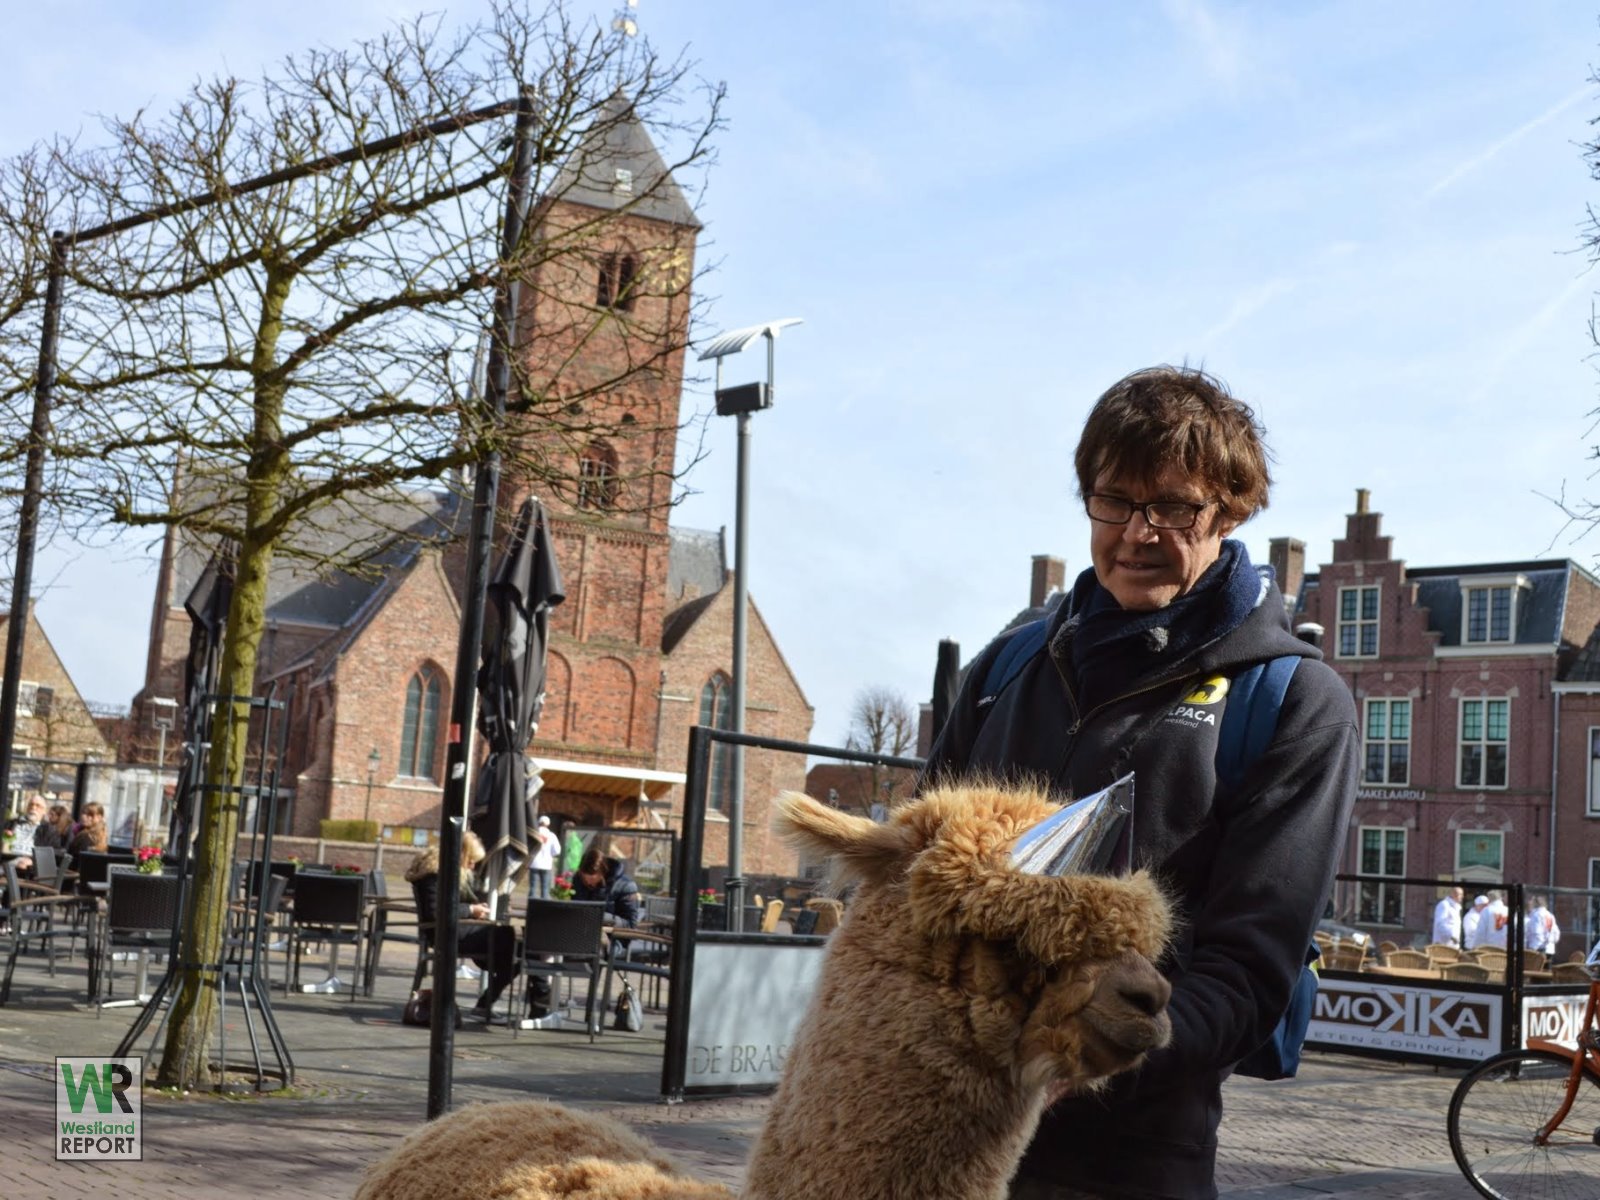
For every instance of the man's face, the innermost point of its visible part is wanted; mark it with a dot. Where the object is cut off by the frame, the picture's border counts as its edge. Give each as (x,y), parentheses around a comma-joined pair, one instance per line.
(591,878)
(1145,568)
(1456,894)
(35,811)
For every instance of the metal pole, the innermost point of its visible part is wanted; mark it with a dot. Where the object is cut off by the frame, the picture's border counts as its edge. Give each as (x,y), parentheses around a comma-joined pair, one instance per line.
(32,498)
(366,809)
(741,586)
(464,693)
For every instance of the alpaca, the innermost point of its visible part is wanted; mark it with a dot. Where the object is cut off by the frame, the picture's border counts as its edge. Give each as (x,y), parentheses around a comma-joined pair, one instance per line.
(958,999)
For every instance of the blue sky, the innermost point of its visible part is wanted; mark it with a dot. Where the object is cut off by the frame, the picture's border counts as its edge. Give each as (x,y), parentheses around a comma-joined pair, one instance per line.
(1366,218)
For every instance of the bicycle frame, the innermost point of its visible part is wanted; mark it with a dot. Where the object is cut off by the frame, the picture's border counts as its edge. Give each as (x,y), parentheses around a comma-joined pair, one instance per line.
(1585,1058)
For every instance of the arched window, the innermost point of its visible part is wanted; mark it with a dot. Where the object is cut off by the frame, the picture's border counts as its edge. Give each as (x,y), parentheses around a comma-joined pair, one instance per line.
(419,735)
(597,477)
(716,712)
(618,274)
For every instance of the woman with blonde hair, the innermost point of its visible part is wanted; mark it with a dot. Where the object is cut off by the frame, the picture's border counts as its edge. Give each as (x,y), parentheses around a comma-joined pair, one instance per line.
(491,946)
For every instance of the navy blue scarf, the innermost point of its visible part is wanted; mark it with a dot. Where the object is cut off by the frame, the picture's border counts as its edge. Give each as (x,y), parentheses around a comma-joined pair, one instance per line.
(1111,647)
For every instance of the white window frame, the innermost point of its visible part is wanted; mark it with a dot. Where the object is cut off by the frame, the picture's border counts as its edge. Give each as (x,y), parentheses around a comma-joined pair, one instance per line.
(1387,740)
(1513,586)
(1382,888)
(1359,623)
(1484,742)
(1497,834)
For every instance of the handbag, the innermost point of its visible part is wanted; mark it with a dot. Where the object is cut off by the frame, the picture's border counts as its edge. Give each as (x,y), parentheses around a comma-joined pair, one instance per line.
(418,1009)
(630,1013)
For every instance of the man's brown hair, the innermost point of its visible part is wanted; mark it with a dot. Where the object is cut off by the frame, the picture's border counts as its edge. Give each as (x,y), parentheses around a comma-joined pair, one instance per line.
(1180,417)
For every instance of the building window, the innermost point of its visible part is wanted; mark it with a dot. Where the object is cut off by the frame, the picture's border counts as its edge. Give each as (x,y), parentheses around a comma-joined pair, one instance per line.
(1594,771)
(419,735)
(1358,622)
(1383,852)
(1485,737)
(618,275)
(597,477)
(1388,742)
(1480,848)
(1488,614)
(716,712)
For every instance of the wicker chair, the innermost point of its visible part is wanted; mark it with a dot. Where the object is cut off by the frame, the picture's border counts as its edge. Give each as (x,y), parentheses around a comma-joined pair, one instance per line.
(1346,958)
(1440,953)
(1533,960)
(1466,971)
(1416,960)
(1569,972)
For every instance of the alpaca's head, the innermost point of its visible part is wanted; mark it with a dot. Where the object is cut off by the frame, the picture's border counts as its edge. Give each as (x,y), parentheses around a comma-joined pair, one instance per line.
(1049,976)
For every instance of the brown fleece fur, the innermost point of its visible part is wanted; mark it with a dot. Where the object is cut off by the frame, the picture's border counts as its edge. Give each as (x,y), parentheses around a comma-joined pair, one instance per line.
(957,999)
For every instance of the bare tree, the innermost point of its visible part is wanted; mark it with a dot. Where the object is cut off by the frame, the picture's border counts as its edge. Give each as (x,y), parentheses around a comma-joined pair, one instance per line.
(297,348)
(881,722)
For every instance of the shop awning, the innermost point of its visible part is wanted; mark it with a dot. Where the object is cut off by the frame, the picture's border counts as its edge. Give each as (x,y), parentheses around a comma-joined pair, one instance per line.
(606,779)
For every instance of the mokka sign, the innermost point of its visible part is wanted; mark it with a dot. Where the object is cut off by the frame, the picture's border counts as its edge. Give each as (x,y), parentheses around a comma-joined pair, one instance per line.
(99,1108)
(1432,1021)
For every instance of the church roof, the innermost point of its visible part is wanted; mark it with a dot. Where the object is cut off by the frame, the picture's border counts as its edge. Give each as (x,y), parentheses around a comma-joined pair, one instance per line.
(617,166)
(384,531)
(697,567)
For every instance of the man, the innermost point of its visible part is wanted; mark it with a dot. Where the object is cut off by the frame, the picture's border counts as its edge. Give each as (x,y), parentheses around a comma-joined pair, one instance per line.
(1542,933)
(543,867)
(1494,928)
(1134,676)
(1472,923)
(23,832)
(1447,919)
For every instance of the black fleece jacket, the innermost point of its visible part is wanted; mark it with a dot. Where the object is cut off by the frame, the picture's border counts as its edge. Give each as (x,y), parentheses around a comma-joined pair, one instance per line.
(1248,871)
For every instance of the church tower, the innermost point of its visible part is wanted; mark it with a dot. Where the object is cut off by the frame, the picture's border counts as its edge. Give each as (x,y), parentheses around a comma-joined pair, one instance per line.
(605,325)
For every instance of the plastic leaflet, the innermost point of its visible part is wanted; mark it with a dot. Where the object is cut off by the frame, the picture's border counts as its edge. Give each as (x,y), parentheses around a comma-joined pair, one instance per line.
(1090,836)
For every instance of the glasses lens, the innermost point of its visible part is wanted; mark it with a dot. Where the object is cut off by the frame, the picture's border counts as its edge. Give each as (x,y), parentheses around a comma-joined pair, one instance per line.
(1111,509)
(1171,514)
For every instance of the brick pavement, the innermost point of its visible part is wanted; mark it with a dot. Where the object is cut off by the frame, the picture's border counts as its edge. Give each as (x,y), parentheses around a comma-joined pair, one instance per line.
(1347,1127)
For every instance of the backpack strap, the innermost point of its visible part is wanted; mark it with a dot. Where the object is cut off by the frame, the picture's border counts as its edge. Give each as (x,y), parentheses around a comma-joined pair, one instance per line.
(1022,644)
(1250,718)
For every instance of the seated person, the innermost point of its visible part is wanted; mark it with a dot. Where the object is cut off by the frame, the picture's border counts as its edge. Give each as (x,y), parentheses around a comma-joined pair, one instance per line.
(492,947)
(92,833)
(607,880)
(23,832)
(59,818)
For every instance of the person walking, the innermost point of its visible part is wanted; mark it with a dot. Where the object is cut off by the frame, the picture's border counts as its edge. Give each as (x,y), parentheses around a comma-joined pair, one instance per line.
(543,867)
(1447,919)
(1542,932)
(1133,676)
(1494,928)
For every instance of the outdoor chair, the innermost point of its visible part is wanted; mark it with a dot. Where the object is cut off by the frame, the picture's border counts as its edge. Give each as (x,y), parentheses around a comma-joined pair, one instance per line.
(1386,948)
(382,928)
(1569,972)
(1577,956)
(94,867)
(1410,959)
(33,921)
(771,917)
(327,908)
(1439,953)
(1533,960)
(1346,958)
(140,913)
(829,913)
(1466,971)
(805,922)
(563,939)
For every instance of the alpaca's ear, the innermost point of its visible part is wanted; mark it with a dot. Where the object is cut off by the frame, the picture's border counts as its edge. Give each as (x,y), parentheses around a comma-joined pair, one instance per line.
(859,848)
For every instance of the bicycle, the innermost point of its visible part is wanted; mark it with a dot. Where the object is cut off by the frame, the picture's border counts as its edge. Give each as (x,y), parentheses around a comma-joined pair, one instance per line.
(1526,1123)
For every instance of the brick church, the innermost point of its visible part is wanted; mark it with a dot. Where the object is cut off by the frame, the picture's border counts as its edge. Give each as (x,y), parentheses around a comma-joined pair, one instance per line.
(640,650)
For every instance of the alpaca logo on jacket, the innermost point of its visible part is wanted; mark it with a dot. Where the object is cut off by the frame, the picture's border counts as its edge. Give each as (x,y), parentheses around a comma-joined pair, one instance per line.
(1208,692)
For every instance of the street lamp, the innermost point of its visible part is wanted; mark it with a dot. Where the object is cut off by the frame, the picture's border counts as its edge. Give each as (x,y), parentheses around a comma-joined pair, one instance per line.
(163,715)
(741,401)
(373,760)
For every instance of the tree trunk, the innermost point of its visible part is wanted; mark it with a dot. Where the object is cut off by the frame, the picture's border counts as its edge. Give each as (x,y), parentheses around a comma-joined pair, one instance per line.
(186,1060)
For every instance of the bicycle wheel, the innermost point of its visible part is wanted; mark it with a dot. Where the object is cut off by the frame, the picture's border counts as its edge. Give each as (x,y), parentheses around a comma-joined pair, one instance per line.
(1498,1107)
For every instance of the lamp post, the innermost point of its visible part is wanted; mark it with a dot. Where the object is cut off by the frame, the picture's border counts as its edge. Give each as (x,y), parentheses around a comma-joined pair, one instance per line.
(163,715)
(373,760)
(741,401)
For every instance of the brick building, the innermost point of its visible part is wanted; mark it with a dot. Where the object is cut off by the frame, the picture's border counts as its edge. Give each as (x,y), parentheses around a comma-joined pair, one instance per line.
(53,722)
(1467,679)
(642,639)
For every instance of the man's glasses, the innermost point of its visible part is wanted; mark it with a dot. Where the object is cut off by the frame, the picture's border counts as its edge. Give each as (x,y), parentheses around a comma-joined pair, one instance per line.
(1158,514)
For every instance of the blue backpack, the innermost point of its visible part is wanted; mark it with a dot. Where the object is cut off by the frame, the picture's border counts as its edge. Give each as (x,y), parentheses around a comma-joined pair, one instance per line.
(1249,721)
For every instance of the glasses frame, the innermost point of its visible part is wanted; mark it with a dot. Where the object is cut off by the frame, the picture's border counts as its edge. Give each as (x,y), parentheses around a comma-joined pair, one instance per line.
(1195,509)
